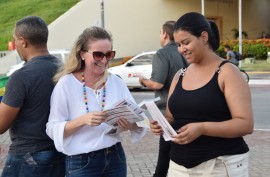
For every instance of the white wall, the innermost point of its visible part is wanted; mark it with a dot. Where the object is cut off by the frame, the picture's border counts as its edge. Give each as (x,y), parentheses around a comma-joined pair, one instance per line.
(135,25)
(256,17)
(65,30)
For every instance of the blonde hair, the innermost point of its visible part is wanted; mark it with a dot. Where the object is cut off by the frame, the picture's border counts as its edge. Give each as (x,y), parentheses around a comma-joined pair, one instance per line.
(74,62)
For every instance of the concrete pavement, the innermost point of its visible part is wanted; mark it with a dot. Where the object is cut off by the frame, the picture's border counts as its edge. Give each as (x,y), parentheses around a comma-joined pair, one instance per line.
(142,157)
(259,78)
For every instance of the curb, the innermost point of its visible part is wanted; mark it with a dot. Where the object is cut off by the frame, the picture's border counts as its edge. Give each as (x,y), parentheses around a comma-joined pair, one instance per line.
(259,82)
(258,72)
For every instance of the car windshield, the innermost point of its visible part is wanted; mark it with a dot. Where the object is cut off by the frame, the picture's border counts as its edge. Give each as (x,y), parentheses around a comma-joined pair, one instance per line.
(143,60)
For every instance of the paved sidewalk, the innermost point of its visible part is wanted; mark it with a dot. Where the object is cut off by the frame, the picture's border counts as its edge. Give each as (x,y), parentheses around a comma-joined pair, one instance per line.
(259,78)
(142,157)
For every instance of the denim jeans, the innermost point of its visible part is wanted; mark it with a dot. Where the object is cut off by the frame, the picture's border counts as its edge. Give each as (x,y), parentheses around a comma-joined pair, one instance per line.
(38,164)
(108,162)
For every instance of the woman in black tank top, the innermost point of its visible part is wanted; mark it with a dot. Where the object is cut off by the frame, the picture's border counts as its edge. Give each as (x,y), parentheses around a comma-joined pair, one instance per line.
(209,105)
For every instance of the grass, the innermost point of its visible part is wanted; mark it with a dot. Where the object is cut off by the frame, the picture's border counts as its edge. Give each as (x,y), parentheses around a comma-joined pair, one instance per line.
(258,66)
(12,11)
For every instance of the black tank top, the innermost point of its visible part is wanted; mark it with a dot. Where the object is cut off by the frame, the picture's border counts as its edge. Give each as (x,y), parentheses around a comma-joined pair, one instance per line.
(205,104)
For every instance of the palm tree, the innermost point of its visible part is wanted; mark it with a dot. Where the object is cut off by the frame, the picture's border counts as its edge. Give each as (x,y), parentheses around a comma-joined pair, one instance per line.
(236,33)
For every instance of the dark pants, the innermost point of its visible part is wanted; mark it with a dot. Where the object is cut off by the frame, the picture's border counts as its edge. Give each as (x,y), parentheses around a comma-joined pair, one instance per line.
(108,162)
(163,158)
(38,164)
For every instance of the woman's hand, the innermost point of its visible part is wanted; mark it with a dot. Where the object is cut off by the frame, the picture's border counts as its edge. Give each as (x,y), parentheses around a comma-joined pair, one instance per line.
(125,125)
(91,119)
(155,128)
(188,133)
(94,118)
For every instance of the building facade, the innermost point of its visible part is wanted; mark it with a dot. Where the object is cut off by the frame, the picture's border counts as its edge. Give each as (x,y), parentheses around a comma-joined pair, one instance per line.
(135,25)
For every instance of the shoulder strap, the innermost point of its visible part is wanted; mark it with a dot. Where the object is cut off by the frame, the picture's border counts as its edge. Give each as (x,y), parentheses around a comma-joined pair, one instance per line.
(182,71)
(221,64)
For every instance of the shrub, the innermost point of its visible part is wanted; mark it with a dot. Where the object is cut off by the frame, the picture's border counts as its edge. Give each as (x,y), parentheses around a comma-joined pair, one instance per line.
(220,52)
(260,51)
(250,48)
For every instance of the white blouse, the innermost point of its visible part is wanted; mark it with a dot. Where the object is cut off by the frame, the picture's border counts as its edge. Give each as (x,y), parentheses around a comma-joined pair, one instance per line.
(67,103)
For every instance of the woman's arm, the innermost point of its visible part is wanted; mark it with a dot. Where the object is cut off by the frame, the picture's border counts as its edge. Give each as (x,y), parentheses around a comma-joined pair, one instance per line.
(168,113)
(238,97)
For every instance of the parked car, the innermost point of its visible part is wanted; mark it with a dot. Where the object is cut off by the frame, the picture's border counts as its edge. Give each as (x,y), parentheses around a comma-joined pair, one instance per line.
(60,54)
(131,70)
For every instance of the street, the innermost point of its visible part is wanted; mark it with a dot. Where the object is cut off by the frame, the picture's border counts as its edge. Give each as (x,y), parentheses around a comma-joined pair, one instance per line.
(260,103)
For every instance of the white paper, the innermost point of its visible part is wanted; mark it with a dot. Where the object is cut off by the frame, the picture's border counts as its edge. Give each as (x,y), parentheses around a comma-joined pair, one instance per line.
(142,104)
(168,131)
(136,108)
(121,112)
(124,109)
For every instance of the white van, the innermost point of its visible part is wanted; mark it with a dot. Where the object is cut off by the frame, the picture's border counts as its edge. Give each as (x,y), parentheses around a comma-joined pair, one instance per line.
(60,54)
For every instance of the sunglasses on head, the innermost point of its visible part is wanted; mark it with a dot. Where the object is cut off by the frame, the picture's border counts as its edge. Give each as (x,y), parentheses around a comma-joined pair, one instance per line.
(98,55)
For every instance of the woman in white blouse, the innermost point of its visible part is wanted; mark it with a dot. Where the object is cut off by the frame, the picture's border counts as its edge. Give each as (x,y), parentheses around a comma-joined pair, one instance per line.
(76,123)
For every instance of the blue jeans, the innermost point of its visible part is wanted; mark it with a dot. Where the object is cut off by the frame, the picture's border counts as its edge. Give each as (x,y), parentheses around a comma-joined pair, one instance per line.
(38,164)
(108,162)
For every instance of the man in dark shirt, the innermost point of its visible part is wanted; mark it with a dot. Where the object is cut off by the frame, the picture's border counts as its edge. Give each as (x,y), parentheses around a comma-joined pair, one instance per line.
(165,64)
(24,109)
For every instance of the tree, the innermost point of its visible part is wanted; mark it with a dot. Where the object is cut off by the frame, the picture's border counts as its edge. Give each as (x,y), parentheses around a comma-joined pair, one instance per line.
(236,33)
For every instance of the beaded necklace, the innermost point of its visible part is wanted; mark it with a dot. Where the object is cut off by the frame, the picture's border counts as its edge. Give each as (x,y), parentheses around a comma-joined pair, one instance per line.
(85,95)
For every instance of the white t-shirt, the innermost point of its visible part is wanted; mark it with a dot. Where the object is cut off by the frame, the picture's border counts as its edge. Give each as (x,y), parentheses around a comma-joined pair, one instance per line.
(67,103)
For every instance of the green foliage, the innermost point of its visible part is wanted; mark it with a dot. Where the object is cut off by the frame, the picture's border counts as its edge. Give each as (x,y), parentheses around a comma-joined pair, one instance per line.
(258,66)
(250,48)
(220,52)
(12,11)
(260,51)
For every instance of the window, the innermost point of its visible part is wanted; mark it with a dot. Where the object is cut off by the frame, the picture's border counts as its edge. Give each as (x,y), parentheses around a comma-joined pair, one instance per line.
(143,60)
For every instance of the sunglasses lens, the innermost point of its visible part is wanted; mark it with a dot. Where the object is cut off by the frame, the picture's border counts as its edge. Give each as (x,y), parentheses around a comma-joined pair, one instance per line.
(98,55)
(110,55)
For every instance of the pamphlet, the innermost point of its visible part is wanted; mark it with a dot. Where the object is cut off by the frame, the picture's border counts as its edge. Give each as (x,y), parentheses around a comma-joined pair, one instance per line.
(158,116)
(124,109)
